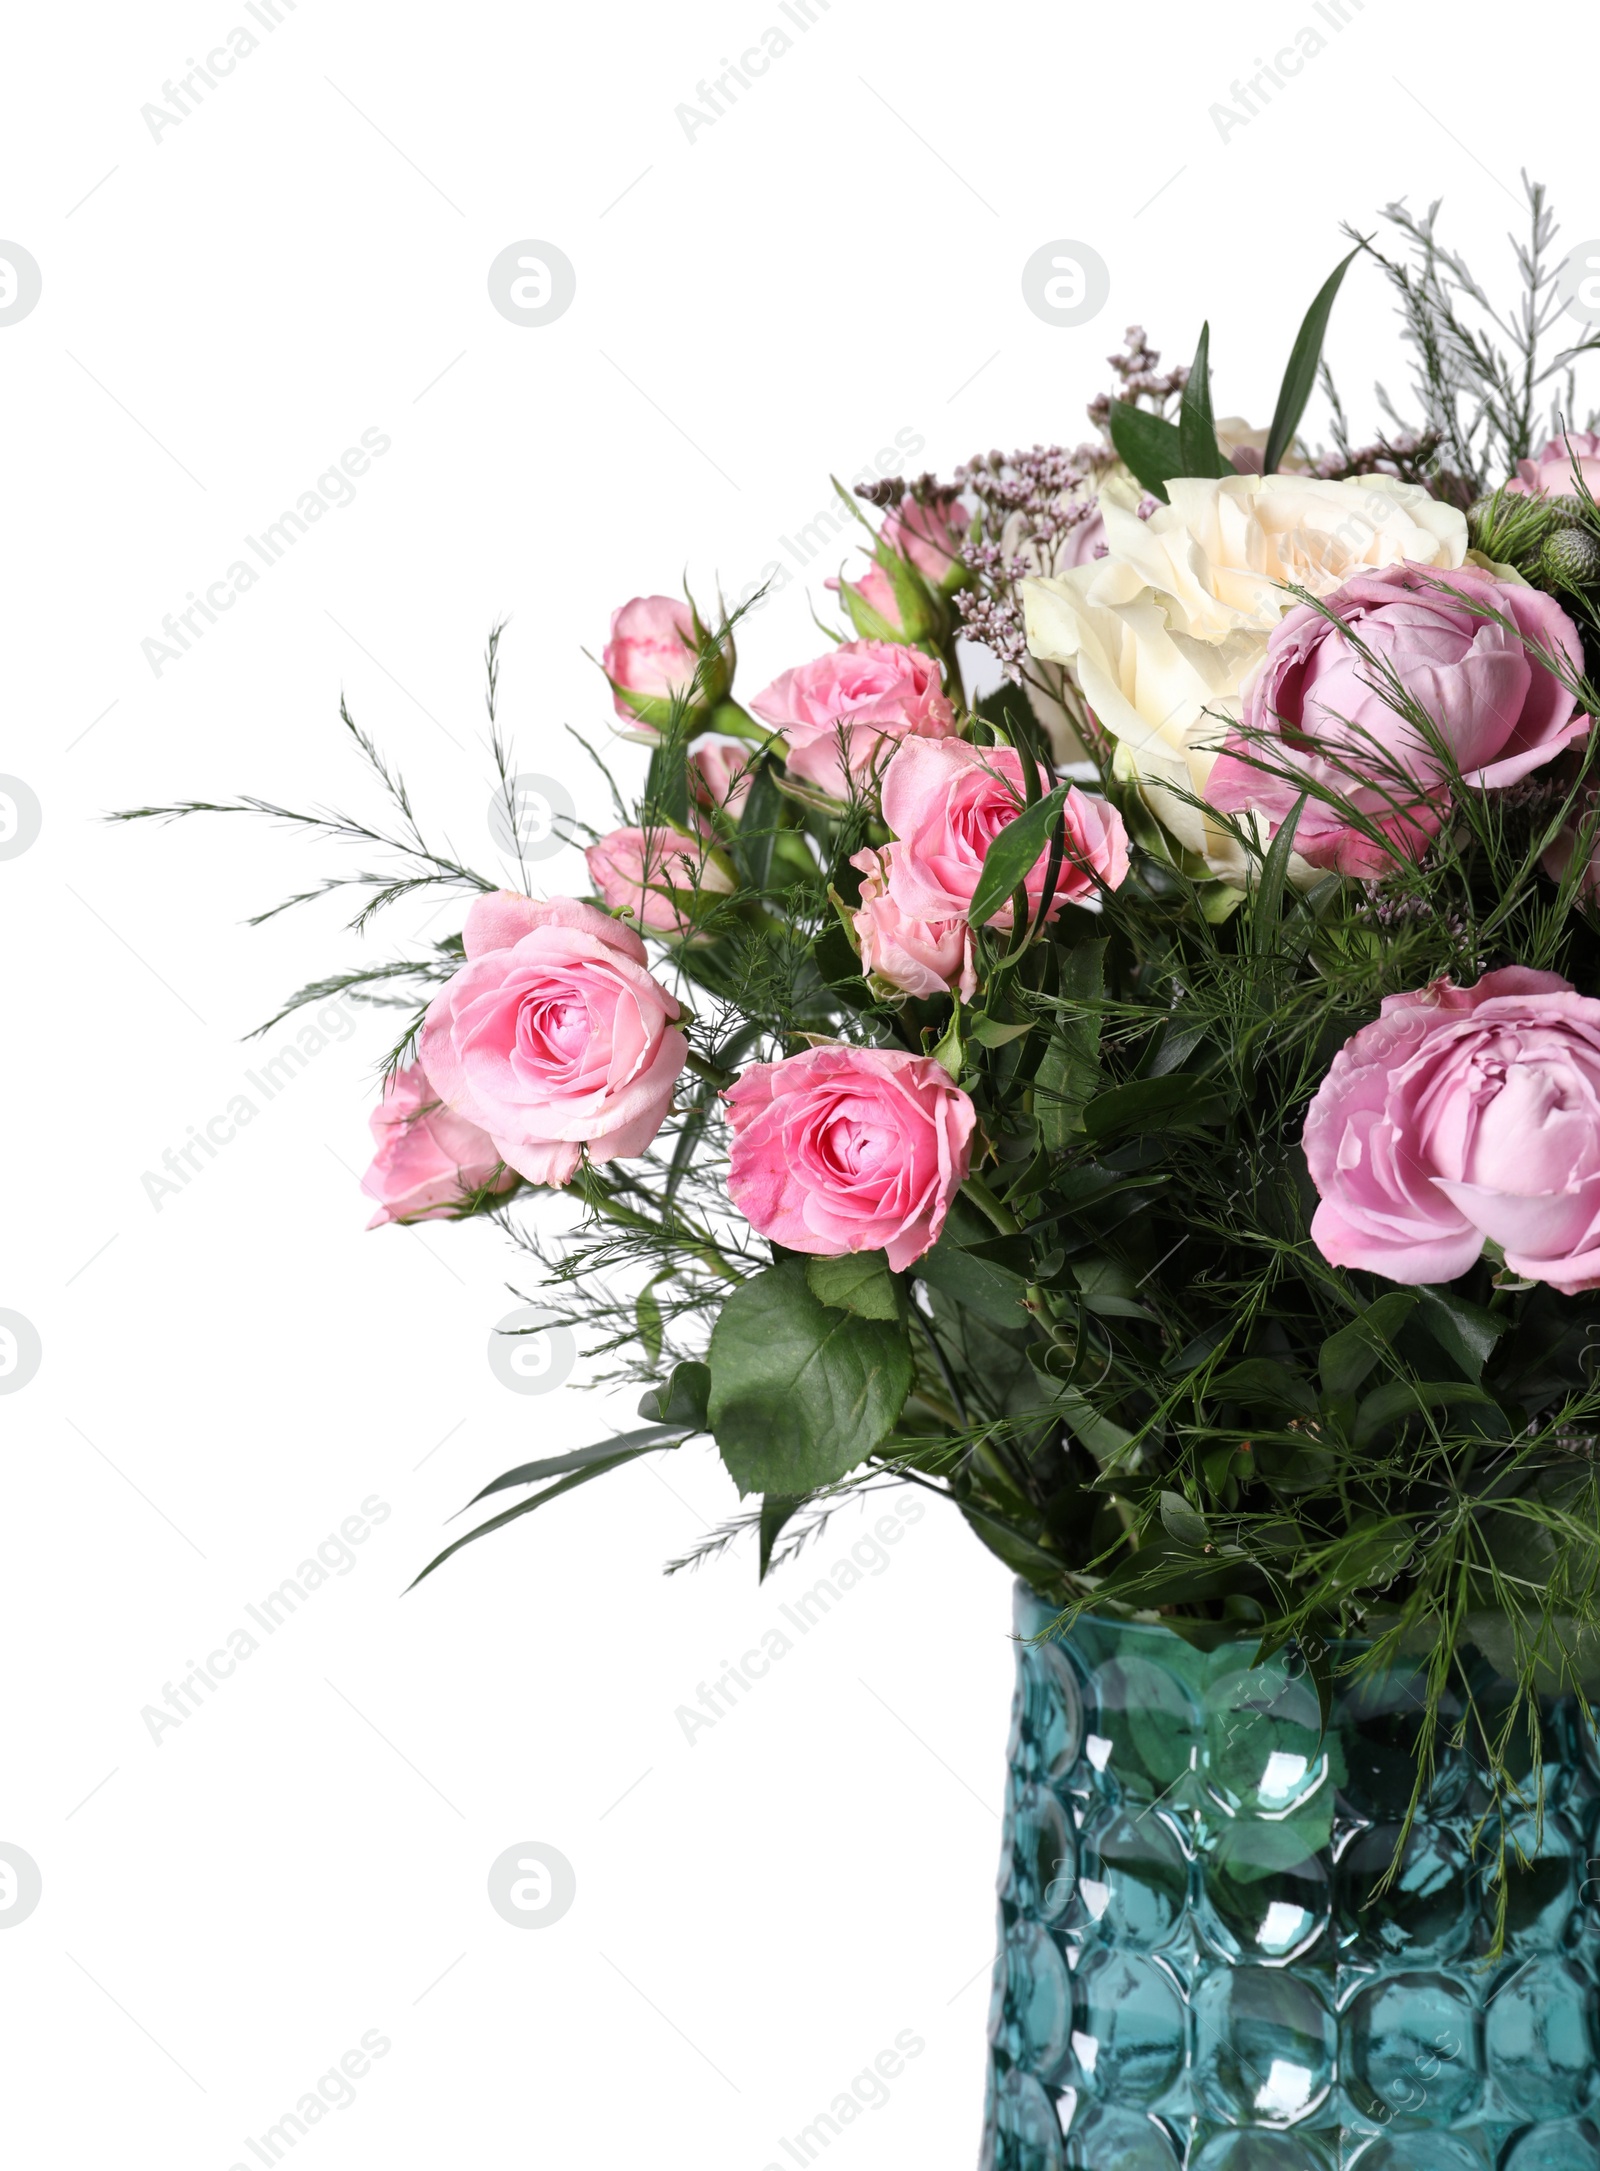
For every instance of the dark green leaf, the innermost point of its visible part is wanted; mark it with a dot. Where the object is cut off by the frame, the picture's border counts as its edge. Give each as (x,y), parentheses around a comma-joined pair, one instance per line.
(1181,1522)
(1106,1440)
(776,1510)
(682,1399)
(1463,1331)
(1019,1553)
(1348,1356)
(1299,379)
(1266,906)
(526,1507)
(639,1442)
(1012,854)
(647,1318)
(1152,1104)
(758,826)
(1146,445)
(1398,1399)
(1108,1288)
(1197,432)
(1260,1379)
(991,1290)
(1069,1070)
(800,1393)
(999,1032)
(860,1282)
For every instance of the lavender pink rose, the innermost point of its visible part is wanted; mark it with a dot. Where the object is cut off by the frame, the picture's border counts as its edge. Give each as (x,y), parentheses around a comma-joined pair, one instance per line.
(553,1038)
(1549,472)
(1316,710)
(849,1149)
(1462,1115)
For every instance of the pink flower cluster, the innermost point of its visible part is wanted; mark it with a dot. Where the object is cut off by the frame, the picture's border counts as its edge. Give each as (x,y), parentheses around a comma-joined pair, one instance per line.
(554,1041)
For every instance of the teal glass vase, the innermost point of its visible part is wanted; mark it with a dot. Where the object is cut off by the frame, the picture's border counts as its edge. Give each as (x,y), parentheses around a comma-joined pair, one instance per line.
(1205,1961)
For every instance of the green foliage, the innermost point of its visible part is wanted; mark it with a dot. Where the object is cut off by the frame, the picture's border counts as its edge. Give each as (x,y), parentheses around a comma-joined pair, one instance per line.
(1124,1362)
(801,1392)
(1299,379)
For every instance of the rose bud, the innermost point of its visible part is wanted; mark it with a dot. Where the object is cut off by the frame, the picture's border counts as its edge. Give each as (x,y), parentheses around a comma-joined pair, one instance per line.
(430,1162)
(657,880)
(660,655)
(919,957)
(720,774)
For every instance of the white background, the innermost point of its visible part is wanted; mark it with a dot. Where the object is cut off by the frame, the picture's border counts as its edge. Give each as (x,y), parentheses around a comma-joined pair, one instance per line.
(224,311)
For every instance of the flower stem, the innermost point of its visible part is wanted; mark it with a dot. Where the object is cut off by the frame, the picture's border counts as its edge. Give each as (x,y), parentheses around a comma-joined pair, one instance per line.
(988,1205)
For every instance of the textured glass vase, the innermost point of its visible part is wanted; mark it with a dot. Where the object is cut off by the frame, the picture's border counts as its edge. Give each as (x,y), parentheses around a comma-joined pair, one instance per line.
(1196,1966)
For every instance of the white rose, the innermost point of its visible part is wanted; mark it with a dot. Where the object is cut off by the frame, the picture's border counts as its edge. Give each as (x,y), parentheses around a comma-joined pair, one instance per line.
(1163,631)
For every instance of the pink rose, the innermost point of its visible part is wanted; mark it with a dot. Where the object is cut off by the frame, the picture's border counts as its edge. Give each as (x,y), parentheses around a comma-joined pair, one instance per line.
(553,1037)
(849,1149)
(720,774)
(874,588)
(651,658)
(1315,708)
(921,957)
(656,879)
(930,536)
(429,1160)
(1557,857)
(1549,472)
(878,693)
(1462,1114)
(947,801)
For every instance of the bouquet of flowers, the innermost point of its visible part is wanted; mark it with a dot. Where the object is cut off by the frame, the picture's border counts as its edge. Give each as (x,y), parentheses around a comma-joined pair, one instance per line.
(1153,1103)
